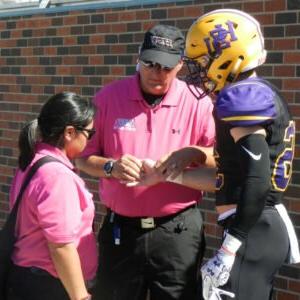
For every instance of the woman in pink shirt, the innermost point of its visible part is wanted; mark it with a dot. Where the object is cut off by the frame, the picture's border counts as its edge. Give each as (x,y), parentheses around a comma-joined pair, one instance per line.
(55,255)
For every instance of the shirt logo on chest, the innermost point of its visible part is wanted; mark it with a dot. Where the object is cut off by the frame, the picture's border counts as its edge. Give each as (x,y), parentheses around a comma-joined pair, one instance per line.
(176,131)
(125,124)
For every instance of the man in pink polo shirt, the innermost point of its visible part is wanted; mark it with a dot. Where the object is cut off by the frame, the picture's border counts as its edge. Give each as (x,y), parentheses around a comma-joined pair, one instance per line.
(152,236)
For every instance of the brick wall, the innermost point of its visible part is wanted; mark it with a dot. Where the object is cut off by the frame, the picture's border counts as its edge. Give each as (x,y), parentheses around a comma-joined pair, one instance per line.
(82,50)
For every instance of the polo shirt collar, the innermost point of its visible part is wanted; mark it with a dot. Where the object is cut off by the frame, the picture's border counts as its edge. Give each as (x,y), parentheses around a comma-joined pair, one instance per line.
(170,99)
(46,149)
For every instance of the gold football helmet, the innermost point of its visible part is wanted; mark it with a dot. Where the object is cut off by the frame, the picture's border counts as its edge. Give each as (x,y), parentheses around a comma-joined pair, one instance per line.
(222,44)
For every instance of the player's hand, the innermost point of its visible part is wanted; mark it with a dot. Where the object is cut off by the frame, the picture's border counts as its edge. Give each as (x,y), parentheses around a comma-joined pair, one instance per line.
(171,165)
(216,271)
(217,294)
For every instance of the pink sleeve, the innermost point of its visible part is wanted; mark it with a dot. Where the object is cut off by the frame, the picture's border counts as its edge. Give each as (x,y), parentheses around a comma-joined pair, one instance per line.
(58,208)
(94,146)
(207,125)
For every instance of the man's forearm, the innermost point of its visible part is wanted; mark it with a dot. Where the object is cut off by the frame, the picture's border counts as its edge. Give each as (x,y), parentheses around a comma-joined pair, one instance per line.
(92,165)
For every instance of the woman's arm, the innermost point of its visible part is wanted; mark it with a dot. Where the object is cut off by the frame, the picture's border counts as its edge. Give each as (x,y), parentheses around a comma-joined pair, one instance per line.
(67,264)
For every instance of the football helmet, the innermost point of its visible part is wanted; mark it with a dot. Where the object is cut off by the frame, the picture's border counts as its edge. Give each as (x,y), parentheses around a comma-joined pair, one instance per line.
(220,45)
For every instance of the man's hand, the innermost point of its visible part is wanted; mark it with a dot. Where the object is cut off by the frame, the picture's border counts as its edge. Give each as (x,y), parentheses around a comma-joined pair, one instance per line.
(127,168)
(149,175)
(216,271)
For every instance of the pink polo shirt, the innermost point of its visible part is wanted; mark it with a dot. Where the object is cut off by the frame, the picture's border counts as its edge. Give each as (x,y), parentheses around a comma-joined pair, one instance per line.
(56,207)
(126,124)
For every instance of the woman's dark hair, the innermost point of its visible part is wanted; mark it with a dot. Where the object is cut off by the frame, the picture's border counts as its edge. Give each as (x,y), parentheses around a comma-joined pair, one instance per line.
(60,110)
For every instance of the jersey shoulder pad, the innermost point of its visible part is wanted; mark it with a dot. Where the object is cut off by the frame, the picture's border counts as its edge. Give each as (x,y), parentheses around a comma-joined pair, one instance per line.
(246,103)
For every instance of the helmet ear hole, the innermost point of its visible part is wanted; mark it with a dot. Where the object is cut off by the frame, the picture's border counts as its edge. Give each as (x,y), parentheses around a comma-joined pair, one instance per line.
(219,76)
(225,65)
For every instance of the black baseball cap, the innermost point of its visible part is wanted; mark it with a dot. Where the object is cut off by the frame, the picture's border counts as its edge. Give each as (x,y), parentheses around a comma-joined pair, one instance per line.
(163,44)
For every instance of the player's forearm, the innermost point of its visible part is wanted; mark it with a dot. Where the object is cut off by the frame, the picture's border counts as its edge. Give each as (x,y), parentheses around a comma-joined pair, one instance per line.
(201,178)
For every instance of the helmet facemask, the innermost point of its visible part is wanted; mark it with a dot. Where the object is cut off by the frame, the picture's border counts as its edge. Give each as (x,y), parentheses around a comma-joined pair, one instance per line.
(198,77)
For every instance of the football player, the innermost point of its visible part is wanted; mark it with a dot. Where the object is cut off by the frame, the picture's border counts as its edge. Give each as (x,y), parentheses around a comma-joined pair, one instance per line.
(254,152)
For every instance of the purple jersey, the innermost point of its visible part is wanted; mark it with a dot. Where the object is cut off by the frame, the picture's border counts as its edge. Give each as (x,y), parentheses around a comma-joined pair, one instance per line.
(246,103)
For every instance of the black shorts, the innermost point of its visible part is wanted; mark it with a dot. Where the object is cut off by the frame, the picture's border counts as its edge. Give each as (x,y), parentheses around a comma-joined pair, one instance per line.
(259,258)
(162,261)
(34,284)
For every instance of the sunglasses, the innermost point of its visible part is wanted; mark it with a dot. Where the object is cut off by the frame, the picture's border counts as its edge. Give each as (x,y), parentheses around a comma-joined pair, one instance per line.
(151,65)
(90,132)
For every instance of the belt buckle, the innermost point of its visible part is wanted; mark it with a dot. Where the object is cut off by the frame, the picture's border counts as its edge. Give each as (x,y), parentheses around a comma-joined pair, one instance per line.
(147,223)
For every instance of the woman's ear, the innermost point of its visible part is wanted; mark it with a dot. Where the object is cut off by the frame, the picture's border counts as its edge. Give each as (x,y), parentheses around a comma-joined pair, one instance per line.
(69,133)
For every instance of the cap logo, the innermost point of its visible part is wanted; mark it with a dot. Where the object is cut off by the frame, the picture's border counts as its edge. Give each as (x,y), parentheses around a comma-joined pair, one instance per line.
(160,41)
(219,38)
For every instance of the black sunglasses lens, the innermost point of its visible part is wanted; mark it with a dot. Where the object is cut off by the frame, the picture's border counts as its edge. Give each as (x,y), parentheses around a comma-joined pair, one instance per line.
(150,65)
(90,132)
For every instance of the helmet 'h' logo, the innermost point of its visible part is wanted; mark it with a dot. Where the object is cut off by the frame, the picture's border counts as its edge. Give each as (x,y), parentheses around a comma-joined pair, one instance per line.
(219,36)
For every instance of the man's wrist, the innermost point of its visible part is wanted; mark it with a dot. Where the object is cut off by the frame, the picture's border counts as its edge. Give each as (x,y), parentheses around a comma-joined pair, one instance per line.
(108,168)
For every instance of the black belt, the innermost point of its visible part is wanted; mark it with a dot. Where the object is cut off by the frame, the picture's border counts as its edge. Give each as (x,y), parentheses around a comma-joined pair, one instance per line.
(144,222)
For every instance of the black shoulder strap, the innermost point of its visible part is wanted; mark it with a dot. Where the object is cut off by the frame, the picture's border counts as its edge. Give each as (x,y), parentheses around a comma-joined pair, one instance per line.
(13,214)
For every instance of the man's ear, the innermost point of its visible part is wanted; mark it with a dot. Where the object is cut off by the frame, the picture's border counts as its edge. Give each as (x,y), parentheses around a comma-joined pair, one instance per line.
(179,66)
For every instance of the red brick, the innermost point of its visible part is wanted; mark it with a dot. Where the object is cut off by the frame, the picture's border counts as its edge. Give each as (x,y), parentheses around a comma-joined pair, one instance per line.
(118,27)
(295,206)
(264,19)
(70,20)
(50,51)
(103,28)
(193,12)
(83,81)
(175,12)
(292,57)
(96,60)
(63,31)
(251,7)
(87,49)
(142,15)
(291,84)
(285,44)
(275,5)
(7,43)
(16,34)
(97,39)
(286,296)
(117,49)
(284,71)
(70,40)
(294,286)
(113,17)
(117,71)
(69,60)
(128,16)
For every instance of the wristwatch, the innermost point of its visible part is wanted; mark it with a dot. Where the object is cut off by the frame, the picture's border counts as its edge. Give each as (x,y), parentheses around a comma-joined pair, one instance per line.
(108,167)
